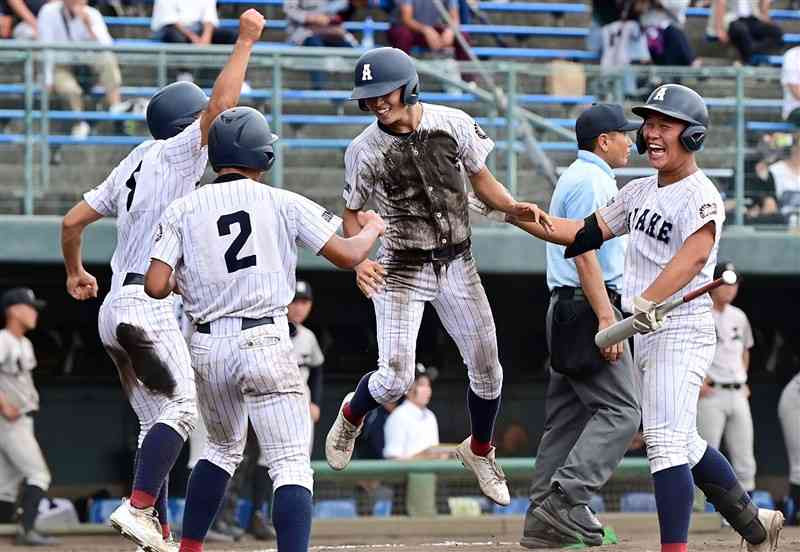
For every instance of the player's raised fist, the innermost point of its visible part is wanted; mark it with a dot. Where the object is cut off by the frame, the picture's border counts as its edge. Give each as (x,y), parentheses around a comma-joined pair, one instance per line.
(367,218)
(251,24)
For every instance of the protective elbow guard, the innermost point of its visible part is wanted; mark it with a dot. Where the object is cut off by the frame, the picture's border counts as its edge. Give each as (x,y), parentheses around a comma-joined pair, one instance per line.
(588,238)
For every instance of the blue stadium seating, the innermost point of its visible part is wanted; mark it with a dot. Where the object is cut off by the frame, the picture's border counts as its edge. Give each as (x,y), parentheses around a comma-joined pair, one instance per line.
(343,508)
(175,508)
(638,502)
(763,499)
(518,506)
(382,508)
(597,504)
(101,509)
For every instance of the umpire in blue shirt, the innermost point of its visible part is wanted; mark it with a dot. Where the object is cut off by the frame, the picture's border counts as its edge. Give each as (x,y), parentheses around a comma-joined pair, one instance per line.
(592,410)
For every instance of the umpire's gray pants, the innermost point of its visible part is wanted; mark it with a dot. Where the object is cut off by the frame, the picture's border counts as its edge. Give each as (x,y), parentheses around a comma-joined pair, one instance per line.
(589,424)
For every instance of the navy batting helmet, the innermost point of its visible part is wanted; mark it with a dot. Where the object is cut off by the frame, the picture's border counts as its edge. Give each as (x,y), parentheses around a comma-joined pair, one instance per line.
(681,103)
(384,70)
(240,137)
(173,108)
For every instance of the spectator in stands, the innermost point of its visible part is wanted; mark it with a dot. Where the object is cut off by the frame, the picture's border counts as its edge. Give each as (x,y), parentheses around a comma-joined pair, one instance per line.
(75,21)
(25,12)
(746,25)
(195,21)
(411,430)
(6,21)
(604,12)
(785,175)
(663,22)
(419,23)
(318,23)
(790,79)
(21,459)
(514,441)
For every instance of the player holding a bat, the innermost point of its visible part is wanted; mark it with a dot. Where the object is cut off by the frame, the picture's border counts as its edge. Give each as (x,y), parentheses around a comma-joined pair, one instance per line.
(674,221)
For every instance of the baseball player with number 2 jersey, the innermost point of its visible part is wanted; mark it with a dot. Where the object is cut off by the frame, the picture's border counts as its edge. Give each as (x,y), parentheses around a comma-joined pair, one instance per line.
(674,221)
(416,161)
(142,335)
(231,246)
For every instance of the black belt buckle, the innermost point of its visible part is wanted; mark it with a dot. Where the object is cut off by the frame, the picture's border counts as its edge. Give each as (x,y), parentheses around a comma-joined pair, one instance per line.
(133,279)
(736,386)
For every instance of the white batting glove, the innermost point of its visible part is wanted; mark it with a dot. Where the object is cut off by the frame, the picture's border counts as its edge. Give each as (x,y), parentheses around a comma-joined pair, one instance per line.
(646,318)
(478,206)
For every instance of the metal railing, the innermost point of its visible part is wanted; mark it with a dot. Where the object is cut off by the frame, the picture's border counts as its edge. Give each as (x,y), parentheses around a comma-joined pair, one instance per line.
(524,84)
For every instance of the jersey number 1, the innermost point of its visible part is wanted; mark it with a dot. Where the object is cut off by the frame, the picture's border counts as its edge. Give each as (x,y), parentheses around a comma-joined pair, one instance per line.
(224,224)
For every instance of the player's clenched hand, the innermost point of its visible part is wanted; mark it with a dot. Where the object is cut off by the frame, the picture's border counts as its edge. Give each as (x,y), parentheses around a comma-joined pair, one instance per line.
(369,277)
(612,353)
(530,212)
(82,286)
(478,206)
(314,411)
(646,318)
(251,24)
(9,411)
(706,390)
(371,218)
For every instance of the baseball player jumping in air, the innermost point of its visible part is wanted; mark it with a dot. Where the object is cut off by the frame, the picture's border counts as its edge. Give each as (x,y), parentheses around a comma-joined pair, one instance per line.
(232,246)
(674,221)
(416,161)
(142,335)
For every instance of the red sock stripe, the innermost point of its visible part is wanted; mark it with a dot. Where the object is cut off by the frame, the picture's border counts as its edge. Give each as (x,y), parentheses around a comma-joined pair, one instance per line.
(348,414)
(674,547)
(140,499)
(189,545)
(165,531)
(479,448)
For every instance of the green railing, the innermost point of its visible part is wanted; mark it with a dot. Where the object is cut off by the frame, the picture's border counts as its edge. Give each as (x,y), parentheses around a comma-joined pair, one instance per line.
(520,80)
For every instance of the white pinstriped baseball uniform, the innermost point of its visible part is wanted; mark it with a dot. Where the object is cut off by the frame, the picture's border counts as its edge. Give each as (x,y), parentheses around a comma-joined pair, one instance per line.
(419,184)
(726,412)
(137,192)
(233,245)
(672,361)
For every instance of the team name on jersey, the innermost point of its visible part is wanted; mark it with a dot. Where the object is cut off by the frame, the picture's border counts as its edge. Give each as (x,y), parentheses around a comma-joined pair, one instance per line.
(651,223)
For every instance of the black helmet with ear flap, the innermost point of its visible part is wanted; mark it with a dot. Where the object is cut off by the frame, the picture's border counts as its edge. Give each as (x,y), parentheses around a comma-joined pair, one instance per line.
(383,70)
(681,103)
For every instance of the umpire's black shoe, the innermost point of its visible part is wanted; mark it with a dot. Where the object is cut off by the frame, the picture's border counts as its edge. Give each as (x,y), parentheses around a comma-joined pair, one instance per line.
(577,521)
(540,535)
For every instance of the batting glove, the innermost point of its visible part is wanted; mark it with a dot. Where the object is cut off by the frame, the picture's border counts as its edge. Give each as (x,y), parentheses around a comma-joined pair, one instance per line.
(646,317)
(478,206)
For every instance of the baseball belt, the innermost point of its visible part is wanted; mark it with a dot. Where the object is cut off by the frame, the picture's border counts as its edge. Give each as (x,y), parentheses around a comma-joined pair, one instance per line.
(567,293)
(247,323)
(441,254)
(133,279)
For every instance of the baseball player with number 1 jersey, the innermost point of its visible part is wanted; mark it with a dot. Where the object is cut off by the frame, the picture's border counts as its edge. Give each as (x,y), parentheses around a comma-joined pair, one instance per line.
(674,221)
(231,246)
(142,335)
(416,161)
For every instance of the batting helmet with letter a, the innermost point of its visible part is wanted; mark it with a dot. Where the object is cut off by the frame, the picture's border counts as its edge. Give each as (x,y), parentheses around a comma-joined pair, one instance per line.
(383,70)
(240,137)
(681,103)
(173,108)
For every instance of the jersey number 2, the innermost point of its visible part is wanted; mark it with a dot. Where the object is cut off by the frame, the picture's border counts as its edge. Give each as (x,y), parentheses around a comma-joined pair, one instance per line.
(131,185)
(224,224)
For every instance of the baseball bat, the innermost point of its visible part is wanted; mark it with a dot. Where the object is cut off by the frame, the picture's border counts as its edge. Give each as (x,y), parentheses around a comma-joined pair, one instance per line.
(624,329)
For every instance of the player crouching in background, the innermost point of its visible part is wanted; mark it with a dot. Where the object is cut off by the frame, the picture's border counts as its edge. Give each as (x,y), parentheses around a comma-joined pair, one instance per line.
(674,221)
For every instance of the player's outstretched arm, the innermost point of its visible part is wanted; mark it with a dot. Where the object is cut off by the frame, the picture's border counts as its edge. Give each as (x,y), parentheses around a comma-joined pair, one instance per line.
(369,274)
(349,252)
(80,284)
(228,85)
(684,266)
(495,195)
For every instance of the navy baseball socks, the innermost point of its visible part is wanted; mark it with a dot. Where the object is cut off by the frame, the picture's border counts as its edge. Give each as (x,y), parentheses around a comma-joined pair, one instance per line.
(161,500)
(482,414)
(291,517)
(674,490)
(157,455)
(204,496)
(361,402)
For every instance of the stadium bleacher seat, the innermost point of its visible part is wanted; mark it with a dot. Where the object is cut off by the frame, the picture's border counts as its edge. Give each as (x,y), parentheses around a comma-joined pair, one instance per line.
(518,506)
(175,508)
(101,509)
(637,502)
(382,508)
(342,508)
(597,504)
(763,499)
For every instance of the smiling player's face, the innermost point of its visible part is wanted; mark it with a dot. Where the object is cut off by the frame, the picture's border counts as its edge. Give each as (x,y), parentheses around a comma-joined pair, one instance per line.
(662,137)
(389,109)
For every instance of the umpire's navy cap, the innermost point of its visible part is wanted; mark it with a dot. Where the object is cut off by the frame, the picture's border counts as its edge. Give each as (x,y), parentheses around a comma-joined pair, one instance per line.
(602,118)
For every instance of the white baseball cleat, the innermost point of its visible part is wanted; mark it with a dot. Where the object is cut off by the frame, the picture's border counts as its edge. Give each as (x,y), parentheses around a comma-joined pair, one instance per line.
(140,526)
(172,545)
(341,439)
(773,523)
(491,478)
